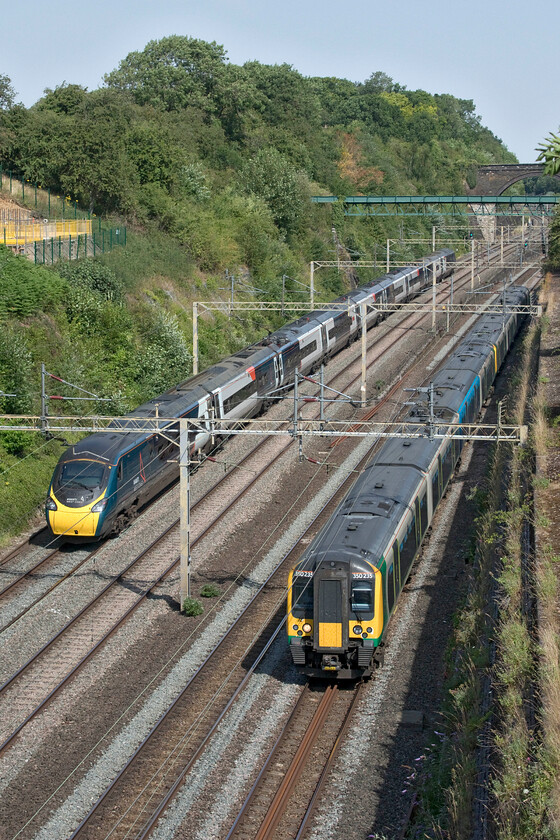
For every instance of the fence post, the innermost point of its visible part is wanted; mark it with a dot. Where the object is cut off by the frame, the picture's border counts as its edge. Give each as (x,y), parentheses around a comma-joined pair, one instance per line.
(69,246)
(35,251)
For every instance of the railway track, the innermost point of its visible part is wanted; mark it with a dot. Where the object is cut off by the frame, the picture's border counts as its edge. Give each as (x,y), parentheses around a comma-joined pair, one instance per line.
(306,747)
(176,741)
(32,573)
(137,581)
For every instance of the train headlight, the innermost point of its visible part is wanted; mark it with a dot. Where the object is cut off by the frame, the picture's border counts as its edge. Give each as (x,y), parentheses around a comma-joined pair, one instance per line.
(306,628)
(99,506)
(369,630)
(357,630)
(295,627)
(50,504)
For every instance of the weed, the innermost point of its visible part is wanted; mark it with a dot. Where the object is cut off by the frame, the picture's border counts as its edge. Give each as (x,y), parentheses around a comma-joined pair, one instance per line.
(210,590)
(192,607)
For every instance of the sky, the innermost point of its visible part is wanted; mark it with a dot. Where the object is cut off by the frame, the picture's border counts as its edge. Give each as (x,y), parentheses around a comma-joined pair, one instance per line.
(502,54)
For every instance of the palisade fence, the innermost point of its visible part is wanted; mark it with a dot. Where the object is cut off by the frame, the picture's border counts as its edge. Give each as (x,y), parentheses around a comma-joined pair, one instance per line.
(46,203)
(46,242)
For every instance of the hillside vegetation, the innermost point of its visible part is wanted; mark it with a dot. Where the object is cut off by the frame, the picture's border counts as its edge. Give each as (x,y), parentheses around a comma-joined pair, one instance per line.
(211,165)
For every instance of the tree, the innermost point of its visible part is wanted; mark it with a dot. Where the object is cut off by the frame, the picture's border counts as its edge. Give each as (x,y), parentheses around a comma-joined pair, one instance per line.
(271,176)
(7,93)
(64,99)
(550,154)
(378,82)
(171,74)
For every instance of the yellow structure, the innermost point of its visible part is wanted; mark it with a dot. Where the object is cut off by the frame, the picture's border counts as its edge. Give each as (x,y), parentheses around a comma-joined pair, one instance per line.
(16,234)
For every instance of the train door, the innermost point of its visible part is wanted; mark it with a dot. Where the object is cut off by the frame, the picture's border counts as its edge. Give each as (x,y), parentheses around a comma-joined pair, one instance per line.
(392,582)
(436,485)
(279,370)
(422,512)
(201,438)
(396,561)
(331,610)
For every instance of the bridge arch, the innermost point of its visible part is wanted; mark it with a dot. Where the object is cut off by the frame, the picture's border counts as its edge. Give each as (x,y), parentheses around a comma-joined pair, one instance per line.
(497,178)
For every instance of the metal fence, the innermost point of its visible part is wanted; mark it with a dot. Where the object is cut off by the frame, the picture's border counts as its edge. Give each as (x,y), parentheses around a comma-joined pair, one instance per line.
(46,203)
(50,251)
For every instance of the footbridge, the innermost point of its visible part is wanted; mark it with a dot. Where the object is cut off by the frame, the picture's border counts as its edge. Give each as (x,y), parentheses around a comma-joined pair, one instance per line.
(475,205)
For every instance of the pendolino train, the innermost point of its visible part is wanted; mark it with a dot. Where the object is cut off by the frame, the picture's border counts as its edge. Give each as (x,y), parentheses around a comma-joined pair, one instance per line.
(100,483)
(341,594)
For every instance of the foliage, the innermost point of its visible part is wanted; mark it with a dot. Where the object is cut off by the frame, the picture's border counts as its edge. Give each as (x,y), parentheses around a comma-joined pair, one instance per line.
(270,176)
(210,590)
(554,243)
(25,289)
(164,357)
(192,607)
(7,92)
(93,275)
(550,154)
(15,371)
(173,73)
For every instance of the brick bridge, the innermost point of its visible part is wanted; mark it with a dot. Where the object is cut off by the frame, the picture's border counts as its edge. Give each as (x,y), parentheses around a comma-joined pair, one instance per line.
(495,179)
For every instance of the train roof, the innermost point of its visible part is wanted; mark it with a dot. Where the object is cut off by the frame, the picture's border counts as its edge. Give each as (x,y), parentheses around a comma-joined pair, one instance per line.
(364,521)
(177,401)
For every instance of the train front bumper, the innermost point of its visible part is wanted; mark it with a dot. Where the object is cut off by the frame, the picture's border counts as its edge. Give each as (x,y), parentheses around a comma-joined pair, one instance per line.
(72,522)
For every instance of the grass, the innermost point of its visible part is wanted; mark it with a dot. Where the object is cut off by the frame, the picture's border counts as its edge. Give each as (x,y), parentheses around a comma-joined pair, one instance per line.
(23,486)
(525,776)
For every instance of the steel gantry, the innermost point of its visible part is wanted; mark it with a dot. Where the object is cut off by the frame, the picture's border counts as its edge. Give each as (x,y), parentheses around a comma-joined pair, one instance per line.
(181,431)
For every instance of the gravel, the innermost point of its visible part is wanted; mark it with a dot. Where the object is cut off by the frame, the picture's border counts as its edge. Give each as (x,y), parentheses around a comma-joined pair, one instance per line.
(69,814)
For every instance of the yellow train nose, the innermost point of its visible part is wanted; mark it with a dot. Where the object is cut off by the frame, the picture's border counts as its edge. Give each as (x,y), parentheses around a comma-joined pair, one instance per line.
(73,522)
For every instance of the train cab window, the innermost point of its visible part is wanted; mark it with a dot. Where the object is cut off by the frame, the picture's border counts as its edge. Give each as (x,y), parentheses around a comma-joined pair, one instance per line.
(119,471)
(302,597)
(361,599)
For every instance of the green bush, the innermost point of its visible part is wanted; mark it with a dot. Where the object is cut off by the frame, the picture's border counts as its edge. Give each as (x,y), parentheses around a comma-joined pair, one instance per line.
(192,607)
(210,590)
(93,275)
(26,288)
(14,442)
